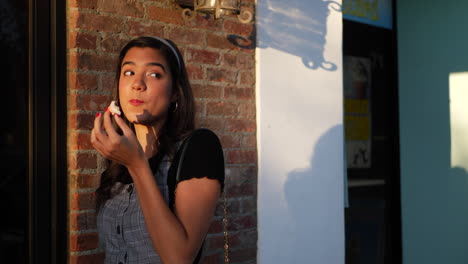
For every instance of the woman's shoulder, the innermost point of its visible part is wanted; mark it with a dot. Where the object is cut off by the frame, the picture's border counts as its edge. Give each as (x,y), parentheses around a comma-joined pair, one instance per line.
(203,141)
(203,134)
(203,155)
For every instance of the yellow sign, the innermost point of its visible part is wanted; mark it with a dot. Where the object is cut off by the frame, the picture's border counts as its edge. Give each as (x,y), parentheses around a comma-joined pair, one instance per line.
(377,13)
(356,106)
(362,8)
(357,127)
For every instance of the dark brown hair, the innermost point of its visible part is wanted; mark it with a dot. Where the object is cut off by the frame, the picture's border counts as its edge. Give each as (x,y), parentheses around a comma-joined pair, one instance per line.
(179,123)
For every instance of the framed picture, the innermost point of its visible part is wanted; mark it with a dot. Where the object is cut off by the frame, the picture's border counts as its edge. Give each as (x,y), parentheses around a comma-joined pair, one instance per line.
(357,112)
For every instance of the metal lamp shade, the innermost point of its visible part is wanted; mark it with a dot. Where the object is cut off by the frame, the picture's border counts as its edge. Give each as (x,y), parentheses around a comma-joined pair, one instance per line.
(217,7)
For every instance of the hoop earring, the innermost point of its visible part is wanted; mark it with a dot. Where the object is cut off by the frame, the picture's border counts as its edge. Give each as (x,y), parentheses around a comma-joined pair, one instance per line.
(176,107)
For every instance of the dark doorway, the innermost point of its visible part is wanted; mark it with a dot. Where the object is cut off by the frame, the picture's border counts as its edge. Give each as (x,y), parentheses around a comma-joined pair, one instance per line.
(373,224)
(14,131)
(33,132)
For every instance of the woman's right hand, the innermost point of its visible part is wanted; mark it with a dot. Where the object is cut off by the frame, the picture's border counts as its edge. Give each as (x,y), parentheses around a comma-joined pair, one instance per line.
(124,149)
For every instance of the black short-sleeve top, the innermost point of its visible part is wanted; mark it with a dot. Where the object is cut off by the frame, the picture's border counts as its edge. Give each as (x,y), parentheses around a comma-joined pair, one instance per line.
(121,225)
(203,157)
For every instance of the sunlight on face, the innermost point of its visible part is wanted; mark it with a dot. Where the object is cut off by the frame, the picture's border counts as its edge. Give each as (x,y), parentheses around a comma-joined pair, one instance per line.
(145,86)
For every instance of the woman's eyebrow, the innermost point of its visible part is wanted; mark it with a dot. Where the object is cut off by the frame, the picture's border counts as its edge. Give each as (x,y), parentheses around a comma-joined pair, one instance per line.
(148,64)
(128,62)
(156,64)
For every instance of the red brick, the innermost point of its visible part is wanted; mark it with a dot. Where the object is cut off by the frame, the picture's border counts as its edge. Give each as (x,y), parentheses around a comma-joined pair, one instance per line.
(229,59)
(94,62)
(123,7)
(207,91)
(241,181)
(221,75)
(91,102)
(248,238)
(92,4)
(236,27)
(247,110)
(82,121)
(200,106)
(72,18)
(233,207)
(203,21)
(194,72)
(249,205)
(112,44)
(229,141)
(247,78)
(82,201)
(221,108)
(241,125)
(83,161)
(241,156)
(243,254)
(217,241)
(108,82)
(219,42)
(241,222)
(203,56)
(82,221)
(83,180)
(249,141)
(186,35)
(82,40)
(81,242)
(215,124)
(97,258)
(72,61)
(239,93)
(145,28)
(80,141)
(98,22)
(82,81)
(245,188)
(167,15)
(245,61)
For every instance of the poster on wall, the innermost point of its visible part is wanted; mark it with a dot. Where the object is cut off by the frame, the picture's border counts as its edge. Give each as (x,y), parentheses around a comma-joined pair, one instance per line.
(357,114)
(378,13)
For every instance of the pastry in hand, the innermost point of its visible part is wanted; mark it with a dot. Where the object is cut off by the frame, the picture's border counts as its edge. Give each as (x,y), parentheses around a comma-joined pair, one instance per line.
(114,109)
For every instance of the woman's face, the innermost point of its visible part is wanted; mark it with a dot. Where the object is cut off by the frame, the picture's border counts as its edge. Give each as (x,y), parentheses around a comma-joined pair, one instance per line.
(145,86)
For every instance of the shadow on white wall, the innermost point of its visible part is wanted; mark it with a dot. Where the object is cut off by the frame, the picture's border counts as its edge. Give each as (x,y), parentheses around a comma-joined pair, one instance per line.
(306,202)
(296,27)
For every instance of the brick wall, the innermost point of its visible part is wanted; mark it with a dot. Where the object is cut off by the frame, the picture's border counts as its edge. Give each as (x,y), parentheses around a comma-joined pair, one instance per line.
(223,79)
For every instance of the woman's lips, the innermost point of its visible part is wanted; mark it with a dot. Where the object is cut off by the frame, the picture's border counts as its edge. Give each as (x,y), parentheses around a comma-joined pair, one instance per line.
(135,102)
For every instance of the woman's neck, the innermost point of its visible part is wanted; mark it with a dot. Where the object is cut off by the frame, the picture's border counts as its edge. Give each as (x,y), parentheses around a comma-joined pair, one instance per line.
(148,136)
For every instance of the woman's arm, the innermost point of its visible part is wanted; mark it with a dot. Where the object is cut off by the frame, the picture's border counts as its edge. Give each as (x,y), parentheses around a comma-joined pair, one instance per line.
(176,237)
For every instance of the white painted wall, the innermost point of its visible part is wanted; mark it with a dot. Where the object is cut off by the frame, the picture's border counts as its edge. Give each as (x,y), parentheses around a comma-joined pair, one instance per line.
(300,132)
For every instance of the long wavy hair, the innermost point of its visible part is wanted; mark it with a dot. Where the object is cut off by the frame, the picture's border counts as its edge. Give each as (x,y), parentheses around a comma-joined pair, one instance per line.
(179,123)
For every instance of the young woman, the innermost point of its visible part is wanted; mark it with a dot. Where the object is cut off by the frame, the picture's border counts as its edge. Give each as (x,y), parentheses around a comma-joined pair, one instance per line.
(144,215)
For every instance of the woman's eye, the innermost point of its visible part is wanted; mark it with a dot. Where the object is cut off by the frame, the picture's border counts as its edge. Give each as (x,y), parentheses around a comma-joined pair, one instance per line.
(128,73)
(155,75)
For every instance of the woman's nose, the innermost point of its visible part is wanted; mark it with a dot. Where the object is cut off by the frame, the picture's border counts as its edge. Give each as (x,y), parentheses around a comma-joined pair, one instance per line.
(138,84)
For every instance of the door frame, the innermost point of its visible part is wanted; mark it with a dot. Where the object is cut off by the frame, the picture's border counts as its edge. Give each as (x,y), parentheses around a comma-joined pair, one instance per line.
(47,170)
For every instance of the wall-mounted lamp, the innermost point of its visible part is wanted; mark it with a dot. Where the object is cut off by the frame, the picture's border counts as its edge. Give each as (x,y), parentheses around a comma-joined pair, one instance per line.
(214,7)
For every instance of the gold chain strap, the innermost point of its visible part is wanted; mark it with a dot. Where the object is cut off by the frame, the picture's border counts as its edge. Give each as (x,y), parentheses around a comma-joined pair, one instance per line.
(225,231)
